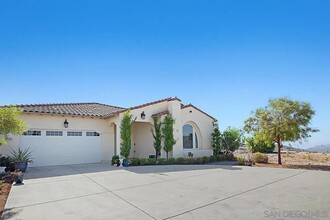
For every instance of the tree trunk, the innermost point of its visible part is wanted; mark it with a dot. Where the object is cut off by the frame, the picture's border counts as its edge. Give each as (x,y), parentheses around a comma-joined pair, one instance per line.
(279,146)
(166,155)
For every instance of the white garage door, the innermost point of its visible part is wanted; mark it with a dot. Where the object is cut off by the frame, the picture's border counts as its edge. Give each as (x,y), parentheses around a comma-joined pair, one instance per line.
(51,147)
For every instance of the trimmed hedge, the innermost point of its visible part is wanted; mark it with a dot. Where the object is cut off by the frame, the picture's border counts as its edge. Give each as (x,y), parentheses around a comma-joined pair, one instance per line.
(144,161)
(179,160)
(170,161)
(182,160)
(135,162)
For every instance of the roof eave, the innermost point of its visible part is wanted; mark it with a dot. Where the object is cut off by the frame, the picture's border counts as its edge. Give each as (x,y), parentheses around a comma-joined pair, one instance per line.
(191,105)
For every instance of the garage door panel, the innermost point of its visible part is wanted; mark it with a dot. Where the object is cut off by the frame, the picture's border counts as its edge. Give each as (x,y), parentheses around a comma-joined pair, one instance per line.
(63,150)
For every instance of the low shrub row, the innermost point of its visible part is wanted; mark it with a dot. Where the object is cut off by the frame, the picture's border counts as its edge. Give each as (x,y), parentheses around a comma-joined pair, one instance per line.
(256,158)
(259,158)
(181,160)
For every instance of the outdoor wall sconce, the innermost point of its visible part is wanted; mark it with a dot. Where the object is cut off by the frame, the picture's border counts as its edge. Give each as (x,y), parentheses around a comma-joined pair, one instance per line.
(143,116)
(66,123)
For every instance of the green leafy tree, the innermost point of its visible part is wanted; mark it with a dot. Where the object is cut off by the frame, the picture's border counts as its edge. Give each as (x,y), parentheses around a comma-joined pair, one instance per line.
(231,140)
(281,120)
(10,123)
(126,134)
(157,135)
(167,132)
(255,145)
(216,140)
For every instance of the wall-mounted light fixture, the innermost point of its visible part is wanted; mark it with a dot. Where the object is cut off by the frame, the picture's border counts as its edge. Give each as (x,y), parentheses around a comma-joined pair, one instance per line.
(66,123)
(143,116)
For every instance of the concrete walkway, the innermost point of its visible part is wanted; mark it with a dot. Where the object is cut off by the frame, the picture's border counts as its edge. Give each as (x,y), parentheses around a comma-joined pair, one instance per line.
(100,191)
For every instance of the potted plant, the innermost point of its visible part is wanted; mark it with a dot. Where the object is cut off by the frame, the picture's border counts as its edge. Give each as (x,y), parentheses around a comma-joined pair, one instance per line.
(115,161)
(18,177)
(21,158)
(125,163)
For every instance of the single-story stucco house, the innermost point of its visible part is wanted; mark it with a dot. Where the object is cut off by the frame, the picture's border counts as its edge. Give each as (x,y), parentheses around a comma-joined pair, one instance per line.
(73,133)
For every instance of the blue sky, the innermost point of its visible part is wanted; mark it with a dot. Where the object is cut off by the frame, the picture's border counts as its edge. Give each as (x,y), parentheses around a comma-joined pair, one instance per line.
(226,57)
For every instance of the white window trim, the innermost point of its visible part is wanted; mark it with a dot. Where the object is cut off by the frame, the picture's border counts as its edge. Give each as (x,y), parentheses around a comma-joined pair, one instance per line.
(54,135)
(93,133)
(31,130)
(67,134)
(195,133)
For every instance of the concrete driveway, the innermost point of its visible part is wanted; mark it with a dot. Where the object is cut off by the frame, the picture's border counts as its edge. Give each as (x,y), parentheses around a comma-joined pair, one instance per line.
(100,191)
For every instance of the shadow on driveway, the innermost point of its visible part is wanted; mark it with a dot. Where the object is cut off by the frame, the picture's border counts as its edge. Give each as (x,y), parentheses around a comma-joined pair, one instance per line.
(10,213)
(79,169)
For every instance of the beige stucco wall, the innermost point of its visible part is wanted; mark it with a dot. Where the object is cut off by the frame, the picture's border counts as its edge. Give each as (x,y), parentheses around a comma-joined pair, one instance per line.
(142,140)
(48,122)
(204,128)
(202,122)
(136,113)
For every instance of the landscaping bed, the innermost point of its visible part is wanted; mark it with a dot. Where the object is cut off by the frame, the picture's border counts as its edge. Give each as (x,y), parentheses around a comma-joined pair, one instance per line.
(5,187)
(179,160)
(4,193)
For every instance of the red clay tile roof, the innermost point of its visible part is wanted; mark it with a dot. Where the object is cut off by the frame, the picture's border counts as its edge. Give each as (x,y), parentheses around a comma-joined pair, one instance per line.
(190,105)
(92,109)
(160,113)
(144,105)
(74,109)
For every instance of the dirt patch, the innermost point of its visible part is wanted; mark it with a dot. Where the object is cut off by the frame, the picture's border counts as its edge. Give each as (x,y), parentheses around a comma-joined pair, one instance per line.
(297,160)
(291,166)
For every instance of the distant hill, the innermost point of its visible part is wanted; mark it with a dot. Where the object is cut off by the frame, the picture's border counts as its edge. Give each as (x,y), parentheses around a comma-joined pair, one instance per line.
(289,148)
(324,148)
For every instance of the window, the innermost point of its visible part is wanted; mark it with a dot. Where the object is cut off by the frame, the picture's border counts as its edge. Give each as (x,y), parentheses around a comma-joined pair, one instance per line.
(92,133)
(74,133)
(190,138)
(54,133)
(32,133)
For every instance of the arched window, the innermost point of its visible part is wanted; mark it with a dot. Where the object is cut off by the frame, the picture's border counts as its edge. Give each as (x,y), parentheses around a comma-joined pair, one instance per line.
(190,139)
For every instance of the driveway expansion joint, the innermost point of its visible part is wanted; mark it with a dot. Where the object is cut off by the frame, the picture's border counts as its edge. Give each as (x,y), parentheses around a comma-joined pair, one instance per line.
(58,200)
(234,195)
(116,194)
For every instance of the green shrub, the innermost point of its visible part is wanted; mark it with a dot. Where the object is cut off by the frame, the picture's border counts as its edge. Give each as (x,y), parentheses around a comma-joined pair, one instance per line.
(221,157)
(240,160)
(115,159)
(190,160)
(144,161)
(170,161)
(179,160)
(4,161)
(212,159)
(225,157)
(230,157)
(205,159)
(259,158)
(135,162)
(152,161)
(261,146)
(199,160)
(161,161)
